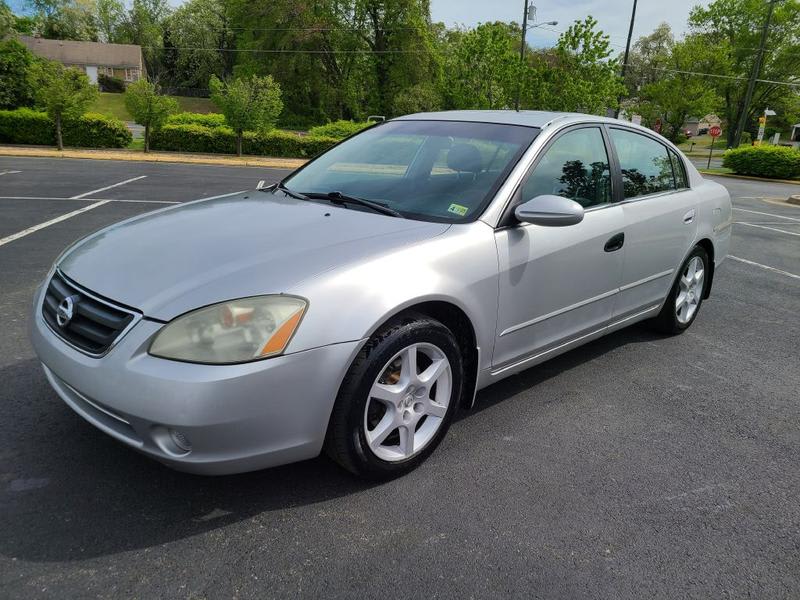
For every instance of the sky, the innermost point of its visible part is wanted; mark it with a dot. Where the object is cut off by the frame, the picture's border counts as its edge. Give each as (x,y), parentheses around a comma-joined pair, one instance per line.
(613,16)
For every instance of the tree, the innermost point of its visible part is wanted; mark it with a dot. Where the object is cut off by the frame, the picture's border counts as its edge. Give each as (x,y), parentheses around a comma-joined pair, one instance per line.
(732,30)
(203,24)
(110,16)
(648,54)
(143,25)
(63,92)
(583,76)
(148,107)
(249,104)
(6,19)
(15,85)
(397,33)
(674,94)
(482,66)
(65,19)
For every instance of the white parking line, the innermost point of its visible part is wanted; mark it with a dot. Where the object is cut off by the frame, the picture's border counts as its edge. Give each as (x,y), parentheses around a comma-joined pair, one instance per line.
(770,228)
(87,199)
(36,228)
(756,212)
(220,196)
(755,264)
(108,187)
(9,172)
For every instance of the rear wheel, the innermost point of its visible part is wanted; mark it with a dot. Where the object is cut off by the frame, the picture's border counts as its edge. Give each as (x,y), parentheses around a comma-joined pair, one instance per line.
(686,295)
(397,400)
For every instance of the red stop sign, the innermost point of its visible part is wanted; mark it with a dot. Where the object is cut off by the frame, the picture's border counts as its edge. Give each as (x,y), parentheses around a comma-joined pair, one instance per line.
(715,131)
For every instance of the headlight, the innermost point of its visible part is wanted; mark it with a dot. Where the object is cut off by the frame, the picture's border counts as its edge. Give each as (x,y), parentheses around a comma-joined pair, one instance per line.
(231,332)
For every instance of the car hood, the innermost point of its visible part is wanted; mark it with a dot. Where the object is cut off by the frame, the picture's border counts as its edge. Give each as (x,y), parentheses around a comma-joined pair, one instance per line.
(174,260)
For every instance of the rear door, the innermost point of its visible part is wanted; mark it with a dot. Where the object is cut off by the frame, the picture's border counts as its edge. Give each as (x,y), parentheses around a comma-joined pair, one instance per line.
(660,218)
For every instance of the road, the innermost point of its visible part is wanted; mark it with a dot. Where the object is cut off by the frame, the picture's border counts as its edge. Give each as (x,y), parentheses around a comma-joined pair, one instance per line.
(638,466)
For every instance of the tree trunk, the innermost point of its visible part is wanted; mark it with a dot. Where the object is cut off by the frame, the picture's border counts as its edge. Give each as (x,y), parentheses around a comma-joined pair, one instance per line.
(239,135)
(59,139)
(147,138)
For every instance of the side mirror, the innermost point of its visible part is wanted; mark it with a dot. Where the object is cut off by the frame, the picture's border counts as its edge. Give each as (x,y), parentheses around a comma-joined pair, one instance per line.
(549,210)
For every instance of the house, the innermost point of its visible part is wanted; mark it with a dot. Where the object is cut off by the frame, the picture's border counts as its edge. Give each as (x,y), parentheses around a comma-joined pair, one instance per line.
(123,61)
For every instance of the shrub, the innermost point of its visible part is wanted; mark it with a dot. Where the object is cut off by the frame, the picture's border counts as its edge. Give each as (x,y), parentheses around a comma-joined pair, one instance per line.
(107,83)
(206,120)
(93,130)
(26,126)
(417,98)
(338,129)
(764,161)
(196,138)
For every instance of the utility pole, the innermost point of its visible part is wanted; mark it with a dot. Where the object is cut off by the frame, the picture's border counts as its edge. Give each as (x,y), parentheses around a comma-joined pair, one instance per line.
(527,14)
(627,52)
(522,50)
(748,97)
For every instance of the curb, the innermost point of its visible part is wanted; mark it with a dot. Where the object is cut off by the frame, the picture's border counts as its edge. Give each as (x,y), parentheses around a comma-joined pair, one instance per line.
(794,200)
(164,157)
(749,177)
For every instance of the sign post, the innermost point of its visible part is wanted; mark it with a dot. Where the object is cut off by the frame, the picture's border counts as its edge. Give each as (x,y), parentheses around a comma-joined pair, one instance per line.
(762,125)
(714,131)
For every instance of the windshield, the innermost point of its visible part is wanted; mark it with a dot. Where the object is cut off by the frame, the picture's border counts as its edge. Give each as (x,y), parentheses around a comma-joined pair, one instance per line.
(432,170)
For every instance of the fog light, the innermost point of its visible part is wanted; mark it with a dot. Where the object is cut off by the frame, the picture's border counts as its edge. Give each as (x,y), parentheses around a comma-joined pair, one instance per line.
(180,440)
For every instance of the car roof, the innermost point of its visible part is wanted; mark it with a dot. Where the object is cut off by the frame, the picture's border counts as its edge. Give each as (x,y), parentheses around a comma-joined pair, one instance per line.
(528,118)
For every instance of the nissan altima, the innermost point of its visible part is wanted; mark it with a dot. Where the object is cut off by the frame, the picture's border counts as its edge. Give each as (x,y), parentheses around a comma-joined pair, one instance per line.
(357,305)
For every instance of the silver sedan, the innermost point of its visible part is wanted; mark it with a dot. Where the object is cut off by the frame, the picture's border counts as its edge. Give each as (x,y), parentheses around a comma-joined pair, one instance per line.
(357,305)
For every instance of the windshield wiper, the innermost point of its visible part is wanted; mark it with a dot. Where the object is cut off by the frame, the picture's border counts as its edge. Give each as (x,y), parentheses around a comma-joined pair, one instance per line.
(282,188)
(340,198)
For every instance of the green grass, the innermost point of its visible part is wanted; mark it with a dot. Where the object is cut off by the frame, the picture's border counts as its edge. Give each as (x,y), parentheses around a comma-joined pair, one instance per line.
(113,105)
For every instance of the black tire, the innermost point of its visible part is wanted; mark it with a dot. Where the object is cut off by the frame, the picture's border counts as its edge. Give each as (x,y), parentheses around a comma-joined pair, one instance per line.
(667,320)
(346,441)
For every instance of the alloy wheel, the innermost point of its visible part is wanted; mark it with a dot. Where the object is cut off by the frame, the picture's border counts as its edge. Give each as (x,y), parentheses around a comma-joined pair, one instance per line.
(408,402)
(690,290)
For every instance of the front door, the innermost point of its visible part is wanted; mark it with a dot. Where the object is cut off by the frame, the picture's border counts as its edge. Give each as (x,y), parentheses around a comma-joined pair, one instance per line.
(559,283)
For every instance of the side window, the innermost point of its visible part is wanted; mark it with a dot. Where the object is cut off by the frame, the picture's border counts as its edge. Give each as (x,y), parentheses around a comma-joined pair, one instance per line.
(574,166)
(646,166)
(679,170)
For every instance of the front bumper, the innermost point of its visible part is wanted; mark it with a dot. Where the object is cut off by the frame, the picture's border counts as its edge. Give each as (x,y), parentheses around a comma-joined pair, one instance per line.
(236,417)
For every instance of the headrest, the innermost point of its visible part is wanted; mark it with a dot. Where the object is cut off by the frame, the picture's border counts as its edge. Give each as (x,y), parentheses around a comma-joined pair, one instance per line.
(464,158)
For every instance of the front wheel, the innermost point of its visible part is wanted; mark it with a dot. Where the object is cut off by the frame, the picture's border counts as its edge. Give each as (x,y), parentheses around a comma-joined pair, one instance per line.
(686,296)
(397,400)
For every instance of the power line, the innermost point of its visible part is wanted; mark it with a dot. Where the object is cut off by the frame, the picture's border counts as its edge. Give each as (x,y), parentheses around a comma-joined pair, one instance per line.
(366,51)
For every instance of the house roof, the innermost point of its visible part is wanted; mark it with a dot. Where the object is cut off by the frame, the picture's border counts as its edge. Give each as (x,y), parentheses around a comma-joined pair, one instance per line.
(85,53)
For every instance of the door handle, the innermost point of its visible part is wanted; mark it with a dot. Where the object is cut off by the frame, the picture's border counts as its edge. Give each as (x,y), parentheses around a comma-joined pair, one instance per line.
(689,216)
(615,243)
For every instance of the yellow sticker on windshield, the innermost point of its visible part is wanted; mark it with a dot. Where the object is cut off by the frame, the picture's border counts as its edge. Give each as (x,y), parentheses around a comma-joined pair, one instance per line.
(458,209)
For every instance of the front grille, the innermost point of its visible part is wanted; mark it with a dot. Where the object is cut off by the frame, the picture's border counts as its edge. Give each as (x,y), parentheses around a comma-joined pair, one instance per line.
(95,323)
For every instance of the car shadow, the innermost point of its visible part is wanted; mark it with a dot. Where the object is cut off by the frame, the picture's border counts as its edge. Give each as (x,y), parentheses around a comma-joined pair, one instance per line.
(69,492)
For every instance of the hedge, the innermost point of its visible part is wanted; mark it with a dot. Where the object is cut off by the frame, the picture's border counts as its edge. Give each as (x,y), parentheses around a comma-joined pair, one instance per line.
(222,140)
(92,130)
(204,119)
(338,129)
(778,162)
(113,85)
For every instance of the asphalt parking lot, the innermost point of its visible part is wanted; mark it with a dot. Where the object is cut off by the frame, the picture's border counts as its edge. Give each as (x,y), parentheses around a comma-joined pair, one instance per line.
(637,466)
